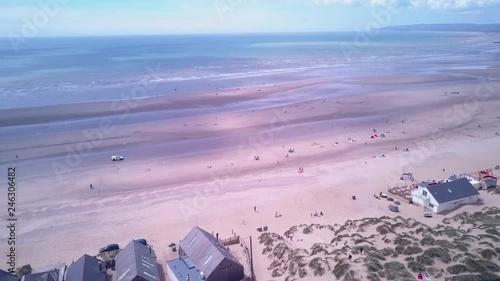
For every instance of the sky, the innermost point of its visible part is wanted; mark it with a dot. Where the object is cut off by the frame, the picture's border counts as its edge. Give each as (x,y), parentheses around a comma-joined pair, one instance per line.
(27,18)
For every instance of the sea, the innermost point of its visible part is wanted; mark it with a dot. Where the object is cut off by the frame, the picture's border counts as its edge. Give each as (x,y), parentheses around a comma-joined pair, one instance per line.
(51,71)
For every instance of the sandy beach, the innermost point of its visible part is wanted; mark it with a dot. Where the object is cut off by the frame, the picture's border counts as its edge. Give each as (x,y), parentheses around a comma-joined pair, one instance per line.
(201,169)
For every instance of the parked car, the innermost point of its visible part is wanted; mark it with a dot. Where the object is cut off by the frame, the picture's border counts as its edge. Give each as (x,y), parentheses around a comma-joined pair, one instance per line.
(109,247)
(142,241)
(116,158)
(394,208)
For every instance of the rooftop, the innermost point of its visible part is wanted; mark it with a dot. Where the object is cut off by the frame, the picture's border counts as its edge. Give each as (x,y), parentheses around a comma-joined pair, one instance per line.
(43,276)
(205,251)
(134,260)
(86,268)
(452,190)
(182,267)
(6,276)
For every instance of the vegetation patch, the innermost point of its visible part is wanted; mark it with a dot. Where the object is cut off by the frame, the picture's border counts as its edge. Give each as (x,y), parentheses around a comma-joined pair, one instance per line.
(307,230)
(410,250)
(445,244)
(373,264)
(440,253)
(471,277)
(492,231)
(488,254)
(396,271)
(427,241)
(319,266)
(341,268)
(401,241)
(457,269)
(425,260)
(415,266)
(24,270)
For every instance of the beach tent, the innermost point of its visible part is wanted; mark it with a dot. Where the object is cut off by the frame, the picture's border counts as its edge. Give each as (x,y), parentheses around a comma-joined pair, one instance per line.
(382,135)
(372,137)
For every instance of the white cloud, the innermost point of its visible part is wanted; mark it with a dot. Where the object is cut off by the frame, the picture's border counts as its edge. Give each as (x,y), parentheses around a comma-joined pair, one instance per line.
(432,4)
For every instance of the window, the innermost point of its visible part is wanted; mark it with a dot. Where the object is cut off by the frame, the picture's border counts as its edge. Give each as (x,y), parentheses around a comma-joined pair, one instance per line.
(209,258)
(424,193)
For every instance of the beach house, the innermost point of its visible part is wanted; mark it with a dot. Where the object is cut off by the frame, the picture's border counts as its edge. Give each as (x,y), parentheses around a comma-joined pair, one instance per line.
(136,262)
(203,257)
(86,268)
(440,197)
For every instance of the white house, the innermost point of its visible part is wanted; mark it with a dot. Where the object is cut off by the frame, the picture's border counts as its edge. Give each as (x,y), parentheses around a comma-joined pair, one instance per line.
(445,196)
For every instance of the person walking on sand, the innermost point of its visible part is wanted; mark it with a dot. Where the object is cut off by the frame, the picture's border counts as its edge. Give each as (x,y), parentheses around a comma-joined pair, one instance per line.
(91,187)
(255,208)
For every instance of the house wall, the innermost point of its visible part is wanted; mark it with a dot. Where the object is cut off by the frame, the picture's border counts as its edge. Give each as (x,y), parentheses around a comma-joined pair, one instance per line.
(419,198)
(454,204)
(227,271)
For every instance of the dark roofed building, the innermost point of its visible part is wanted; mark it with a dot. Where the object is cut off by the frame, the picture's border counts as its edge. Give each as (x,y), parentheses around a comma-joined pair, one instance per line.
(7,276)
(136,262)
(86,268)
(446,196)
(202,256)
(453,190)
(52,275)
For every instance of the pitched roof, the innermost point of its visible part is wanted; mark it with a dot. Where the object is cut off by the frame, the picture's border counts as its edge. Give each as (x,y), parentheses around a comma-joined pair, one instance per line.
(7,276)
(453,190)
(43,276)
(134,260)
(86,268)
(205,251)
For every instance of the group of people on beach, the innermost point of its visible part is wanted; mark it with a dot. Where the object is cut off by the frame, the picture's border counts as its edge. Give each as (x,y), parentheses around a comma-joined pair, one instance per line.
(421,276)
(316,214)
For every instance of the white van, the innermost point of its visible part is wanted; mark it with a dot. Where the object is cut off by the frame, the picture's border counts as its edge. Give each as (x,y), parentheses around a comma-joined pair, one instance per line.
(116,158)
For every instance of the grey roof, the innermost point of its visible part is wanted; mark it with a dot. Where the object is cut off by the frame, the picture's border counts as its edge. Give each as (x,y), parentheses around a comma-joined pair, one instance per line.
(205,251)
(453,190)
(86,268)
(136,260)
(43,276)
(7,276)
(182,267)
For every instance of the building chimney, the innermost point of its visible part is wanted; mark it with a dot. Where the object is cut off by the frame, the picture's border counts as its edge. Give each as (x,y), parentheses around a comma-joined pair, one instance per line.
(217,237)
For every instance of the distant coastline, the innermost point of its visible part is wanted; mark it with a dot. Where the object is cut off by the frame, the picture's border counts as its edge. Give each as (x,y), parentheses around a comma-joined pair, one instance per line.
(462,27)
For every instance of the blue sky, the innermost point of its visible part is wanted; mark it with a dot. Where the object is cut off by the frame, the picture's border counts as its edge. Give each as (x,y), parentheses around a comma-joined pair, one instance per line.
(104,17)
